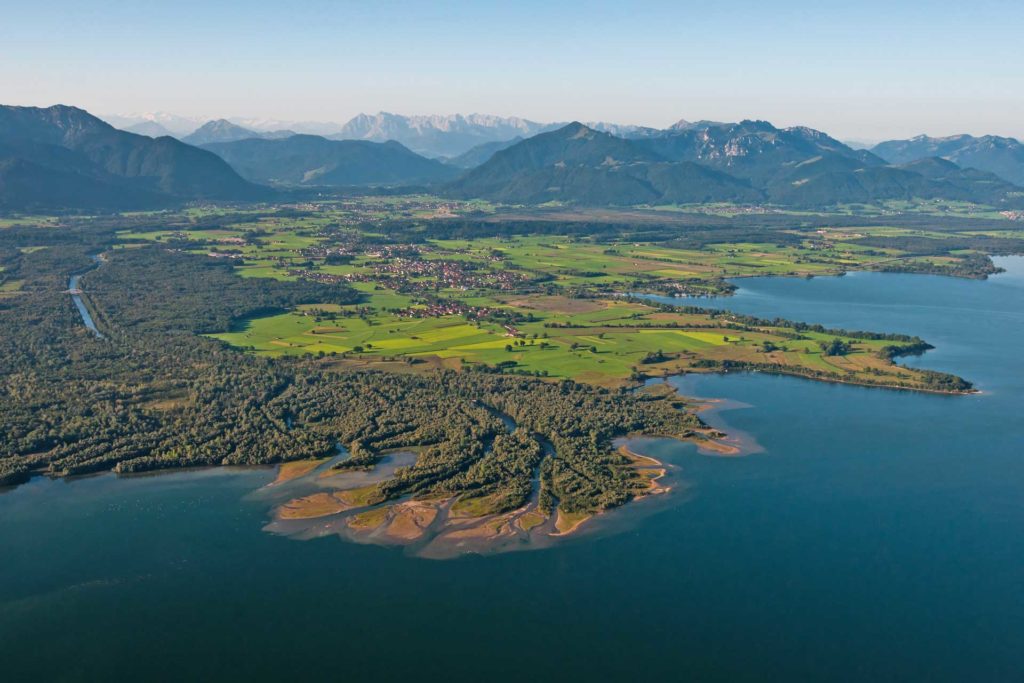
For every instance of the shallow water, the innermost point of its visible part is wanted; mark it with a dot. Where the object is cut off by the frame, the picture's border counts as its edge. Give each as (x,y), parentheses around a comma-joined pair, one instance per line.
(878,535)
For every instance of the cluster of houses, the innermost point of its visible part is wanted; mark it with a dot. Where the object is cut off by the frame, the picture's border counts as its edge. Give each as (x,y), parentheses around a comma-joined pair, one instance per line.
(443,307)
(408,273)
(317,276)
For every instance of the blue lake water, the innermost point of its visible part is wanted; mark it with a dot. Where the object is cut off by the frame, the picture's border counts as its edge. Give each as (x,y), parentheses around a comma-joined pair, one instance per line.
(879,535)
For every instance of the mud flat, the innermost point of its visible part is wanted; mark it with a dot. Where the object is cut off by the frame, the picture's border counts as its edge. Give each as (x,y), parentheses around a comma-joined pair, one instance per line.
(298,468)
(434,527)
(398,523)
(326,503)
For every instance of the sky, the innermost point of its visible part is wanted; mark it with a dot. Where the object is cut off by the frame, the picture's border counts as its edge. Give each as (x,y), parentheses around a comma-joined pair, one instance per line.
(864,70)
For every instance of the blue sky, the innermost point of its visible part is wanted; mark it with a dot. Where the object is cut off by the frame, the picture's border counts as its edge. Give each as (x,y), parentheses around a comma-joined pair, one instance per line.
(856,69)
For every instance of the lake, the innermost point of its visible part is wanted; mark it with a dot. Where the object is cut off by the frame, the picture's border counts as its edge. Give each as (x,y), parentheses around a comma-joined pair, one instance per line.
(877,534)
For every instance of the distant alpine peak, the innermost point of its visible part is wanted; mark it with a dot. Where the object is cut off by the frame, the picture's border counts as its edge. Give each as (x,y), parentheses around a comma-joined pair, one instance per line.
(178,125)
(576,128)
(216,124)
(438,134)
(371,123)
(218,130)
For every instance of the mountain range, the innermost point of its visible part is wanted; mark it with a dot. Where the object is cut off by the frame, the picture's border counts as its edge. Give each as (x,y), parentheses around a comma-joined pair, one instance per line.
(999,155)
(438,136)
(63,157)
(464,141)
(581,165)
(750,161)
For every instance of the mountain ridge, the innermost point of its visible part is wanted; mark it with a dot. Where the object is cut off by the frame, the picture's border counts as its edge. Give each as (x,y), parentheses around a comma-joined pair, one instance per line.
(437,135)
(1003,156)
(59,156)
(68,152)
(222,130)
(748,161)
(577,163)
(312,160)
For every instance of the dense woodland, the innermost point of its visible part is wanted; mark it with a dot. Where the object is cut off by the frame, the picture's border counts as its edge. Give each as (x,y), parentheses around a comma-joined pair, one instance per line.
(152,394)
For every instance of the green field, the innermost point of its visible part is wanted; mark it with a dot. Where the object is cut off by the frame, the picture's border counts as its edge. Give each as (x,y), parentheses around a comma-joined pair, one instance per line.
(605,344)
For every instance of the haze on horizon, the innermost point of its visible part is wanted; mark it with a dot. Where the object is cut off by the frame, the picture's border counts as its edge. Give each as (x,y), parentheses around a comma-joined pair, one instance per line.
(867,71)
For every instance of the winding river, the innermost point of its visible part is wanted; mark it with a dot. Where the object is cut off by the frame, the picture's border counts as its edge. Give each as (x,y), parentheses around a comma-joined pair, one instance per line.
(76,297)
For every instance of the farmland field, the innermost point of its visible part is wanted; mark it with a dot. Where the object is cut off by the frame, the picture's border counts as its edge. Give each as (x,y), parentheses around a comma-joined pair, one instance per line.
(555,306)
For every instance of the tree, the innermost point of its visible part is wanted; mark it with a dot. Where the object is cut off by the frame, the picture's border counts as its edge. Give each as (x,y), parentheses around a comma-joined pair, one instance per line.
(836,347)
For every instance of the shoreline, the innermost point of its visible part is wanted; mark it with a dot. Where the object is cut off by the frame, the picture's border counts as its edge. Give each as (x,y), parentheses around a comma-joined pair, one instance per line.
(646,463)
(781,373)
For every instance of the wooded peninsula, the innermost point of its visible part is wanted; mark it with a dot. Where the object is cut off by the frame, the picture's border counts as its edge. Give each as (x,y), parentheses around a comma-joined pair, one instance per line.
(505,355)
